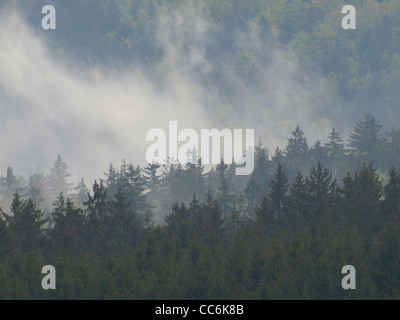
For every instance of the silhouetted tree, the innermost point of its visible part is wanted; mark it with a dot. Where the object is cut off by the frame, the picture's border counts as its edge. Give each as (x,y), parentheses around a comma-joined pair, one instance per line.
(278,191)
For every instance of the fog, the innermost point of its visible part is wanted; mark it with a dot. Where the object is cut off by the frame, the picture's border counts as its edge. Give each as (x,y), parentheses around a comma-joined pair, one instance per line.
(52,104)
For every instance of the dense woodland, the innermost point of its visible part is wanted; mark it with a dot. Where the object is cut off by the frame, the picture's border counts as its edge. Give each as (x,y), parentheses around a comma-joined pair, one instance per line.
(283,233)
(178,231)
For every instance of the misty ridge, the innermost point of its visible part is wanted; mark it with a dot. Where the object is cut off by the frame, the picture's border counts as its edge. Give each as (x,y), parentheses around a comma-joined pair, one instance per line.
(76,191)
(94,87)
(111,72)
(151,191)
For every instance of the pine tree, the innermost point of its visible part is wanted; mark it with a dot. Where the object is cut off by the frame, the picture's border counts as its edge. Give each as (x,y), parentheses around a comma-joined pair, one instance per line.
(180,222)
(171,189)
(124,222)
(297,146)
(69,224)
(298,199)
(97,203)
(296,152)
(208,219)
(9,185)
(112,180)
(278,188)
(321,191)
(193,179)
(318,153)
(82,192)
(278,158)
(151,177)
(335,146)
(26,222)
(366,136)
(36,187)
(133,183)
(98,221)
(362,204)
(57,180)
(251,192)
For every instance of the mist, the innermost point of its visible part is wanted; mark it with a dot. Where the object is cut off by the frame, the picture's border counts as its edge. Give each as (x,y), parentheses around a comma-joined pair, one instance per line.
(52,103)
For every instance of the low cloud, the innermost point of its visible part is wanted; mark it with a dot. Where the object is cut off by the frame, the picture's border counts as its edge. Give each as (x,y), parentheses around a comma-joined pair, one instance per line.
(51,104)
(90,117)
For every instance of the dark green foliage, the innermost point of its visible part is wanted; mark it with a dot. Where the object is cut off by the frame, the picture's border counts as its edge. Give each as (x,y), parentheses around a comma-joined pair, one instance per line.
(282,234)
(361,201)
(269,238)
(391,204)
(5,238)
(68,222)
(26,223)
(386,262)
(320,192)
(265,215)
(278,188)
(124,224)
(298,199)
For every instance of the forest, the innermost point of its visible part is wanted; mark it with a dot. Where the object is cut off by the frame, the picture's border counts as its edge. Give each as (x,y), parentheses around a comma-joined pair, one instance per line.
(183,231)
(285,233)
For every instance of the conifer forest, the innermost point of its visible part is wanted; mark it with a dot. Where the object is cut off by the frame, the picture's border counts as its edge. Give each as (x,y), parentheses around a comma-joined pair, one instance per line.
(78,193)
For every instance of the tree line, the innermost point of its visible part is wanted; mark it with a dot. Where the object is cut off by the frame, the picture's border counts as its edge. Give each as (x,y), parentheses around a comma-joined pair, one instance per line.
(284,235)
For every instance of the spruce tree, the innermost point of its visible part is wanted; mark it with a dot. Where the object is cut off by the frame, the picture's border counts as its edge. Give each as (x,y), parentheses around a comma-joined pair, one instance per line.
(251,194)
(9,185)
(335,146)
(82,192)
(278,191)
(297,146)
(151,176)
(124,223)
(57,181)
(318,153)
(321,191)
(298,200)
(362,200)
(296,152)
(366,137)
(69,224)
(26,223)
(36,187)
